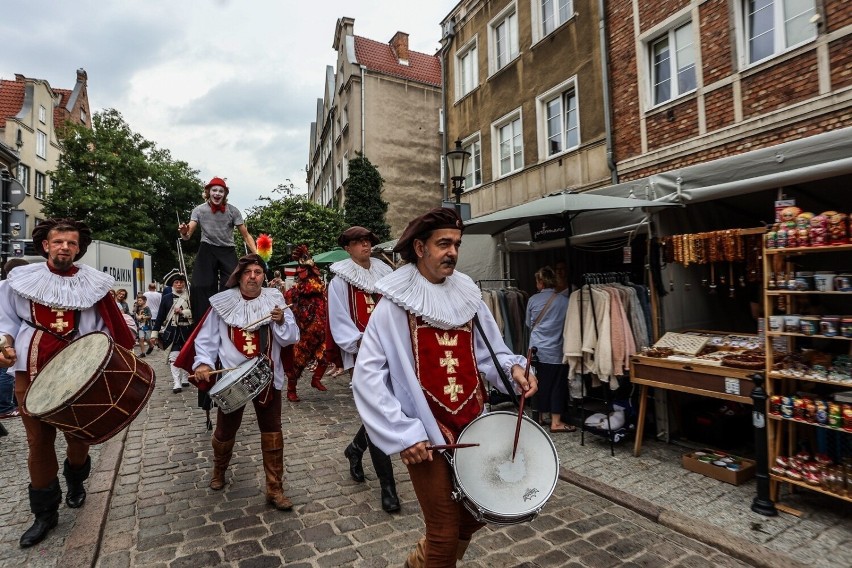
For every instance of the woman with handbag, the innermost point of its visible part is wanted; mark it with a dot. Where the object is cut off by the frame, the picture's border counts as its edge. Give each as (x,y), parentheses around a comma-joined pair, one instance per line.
(545,320)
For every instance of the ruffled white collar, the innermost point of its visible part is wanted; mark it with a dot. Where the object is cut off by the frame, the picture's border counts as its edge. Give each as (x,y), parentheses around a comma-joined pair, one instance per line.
(360,277)
(236,311)
(78,292)
(447,305)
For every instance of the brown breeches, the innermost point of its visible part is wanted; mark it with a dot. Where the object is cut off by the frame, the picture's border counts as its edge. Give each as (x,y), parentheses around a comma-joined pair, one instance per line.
(41,439)
(268,418)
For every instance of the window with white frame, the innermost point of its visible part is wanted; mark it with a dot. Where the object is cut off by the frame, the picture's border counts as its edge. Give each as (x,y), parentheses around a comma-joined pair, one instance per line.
(42,114)
(345,167)
(24,177)
(40,185)
(467,69)
(773,26)
(345,117)
(83,116)
(503,38)
(41,144)
(508,137)
(554,13)
(672,59)
(473,170)
(559,119)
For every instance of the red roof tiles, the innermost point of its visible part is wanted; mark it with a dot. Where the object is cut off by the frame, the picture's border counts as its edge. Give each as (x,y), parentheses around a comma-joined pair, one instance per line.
(380,57)
(11,99)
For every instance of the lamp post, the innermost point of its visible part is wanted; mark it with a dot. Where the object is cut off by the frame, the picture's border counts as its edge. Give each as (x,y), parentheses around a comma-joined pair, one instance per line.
(456,165)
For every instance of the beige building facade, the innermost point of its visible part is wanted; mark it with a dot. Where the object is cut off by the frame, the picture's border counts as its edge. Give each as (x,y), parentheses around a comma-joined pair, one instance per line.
(381,100)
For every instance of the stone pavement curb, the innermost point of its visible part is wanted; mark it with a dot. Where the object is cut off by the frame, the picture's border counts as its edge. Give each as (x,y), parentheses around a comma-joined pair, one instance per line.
(739,548)
(84,542)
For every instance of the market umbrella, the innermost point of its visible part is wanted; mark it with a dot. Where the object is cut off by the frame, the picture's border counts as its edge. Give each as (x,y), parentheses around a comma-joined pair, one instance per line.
(326,258)
(550,205)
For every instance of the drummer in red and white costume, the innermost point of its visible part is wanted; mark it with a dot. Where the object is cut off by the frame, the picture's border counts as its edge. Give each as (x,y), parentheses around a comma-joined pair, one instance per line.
(42,309)
(416,381)
(242,322)
(352,297)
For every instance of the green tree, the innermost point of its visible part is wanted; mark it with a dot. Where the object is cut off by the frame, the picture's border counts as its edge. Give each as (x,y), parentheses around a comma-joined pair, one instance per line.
(295,220)
(364,205)
(125,188)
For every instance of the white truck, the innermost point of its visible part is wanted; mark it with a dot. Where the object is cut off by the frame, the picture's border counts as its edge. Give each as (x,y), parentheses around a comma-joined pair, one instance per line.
(131,268)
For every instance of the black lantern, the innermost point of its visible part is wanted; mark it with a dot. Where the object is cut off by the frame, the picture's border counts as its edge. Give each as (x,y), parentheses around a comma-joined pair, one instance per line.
(456,165)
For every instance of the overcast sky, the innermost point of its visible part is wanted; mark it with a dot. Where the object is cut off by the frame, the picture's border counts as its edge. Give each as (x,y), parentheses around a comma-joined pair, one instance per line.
(229,86)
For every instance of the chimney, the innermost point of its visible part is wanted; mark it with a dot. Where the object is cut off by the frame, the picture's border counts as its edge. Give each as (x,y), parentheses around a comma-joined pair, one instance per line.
(399,43)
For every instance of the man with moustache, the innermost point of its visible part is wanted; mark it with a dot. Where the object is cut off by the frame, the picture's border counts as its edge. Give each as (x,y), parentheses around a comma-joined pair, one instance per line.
(352,298)
(245,321)
(216,258)
(417,378)
(43,307)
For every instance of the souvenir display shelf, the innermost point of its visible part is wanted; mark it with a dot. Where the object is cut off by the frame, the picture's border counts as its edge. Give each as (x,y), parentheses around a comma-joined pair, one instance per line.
(796,414)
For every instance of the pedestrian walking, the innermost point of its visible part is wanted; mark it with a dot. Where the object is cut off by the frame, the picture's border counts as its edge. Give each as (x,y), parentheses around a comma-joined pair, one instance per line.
(42,308)
(153,298)
(8,404)
(173,326)
(417,378)
(352,297)
(143,324)
(244,322)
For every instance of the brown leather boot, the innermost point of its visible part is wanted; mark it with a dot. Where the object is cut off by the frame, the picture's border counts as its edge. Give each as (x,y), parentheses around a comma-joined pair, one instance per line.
(417,557)
(222,452)
(272,445)
(291,390)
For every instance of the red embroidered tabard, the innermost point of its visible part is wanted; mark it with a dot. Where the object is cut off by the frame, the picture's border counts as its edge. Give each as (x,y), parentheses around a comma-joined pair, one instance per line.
(60,322)
(246,342)
(361,306)
(446,369)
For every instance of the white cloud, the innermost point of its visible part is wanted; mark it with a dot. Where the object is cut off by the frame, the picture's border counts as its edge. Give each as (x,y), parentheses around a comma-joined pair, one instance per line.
(228,86)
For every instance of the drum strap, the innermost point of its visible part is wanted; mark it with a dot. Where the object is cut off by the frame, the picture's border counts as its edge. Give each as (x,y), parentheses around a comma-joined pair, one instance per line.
(497,364)
(264,397)
(67,336)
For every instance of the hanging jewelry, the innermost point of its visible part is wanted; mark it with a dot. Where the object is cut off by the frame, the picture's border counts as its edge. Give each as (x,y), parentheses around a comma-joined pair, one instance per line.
(731,290)
(712,278)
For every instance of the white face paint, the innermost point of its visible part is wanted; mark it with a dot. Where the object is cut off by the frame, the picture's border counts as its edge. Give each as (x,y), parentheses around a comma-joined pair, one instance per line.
(217,194)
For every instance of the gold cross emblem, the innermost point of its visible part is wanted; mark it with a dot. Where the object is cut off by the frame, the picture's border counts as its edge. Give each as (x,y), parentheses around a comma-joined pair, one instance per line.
(60,324)
(449,362)
(249,348)
(453,389)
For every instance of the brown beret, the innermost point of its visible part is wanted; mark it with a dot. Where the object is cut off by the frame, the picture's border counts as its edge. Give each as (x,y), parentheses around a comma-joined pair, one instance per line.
(356,233)
(41,231)
(242,264)
(437,218)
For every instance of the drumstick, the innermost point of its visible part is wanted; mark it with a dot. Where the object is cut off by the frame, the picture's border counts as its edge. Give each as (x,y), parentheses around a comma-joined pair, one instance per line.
(450,446)
(264,318)
(530,353)
(218,372)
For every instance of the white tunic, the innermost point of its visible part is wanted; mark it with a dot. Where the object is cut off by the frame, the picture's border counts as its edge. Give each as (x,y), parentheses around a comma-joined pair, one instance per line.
(229,308)
(387,393)
(37,283)
(344,331)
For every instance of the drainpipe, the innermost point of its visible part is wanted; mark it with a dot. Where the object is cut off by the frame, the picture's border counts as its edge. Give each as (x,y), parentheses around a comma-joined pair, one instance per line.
(363,118)
(610,160)
(450,34)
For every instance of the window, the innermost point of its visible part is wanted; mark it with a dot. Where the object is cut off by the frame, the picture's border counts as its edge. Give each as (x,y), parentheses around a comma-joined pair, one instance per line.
(345,117)
(467,69)
(510,145)
(504,38)
(83,116)
(772,26)
(473,171)
(559,119)
(41,144)
(554,13)
(672,59)
(345,167)
(24,177)
(40,185)
(42,114)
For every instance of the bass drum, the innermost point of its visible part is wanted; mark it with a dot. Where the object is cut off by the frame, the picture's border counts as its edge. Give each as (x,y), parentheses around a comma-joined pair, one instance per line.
(493,487)
(91,389)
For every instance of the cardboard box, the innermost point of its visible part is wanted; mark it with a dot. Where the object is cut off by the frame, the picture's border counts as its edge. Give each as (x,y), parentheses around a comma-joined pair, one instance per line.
(692,463)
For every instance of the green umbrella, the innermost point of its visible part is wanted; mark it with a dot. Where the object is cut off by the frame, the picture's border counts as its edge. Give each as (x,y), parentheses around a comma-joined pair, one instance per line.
(326,258)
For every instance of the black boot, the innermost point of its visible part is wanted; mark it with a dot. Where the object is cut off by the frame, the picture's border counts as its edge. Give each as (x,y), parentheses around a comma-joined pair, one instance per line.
(384,471)
(74,479)
(3,431)
(354,452)
(44,503)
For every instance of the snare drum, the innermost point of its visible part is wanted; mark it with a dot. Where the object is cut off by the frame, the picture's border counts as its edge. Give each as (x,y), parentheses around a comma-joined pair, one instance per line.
(493,487)
(91,389)
(240,385)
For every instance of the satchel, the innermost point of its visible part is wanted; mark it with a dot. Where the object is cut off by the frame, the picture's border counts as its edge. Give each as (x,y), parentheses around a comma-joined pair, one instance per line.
(167,336)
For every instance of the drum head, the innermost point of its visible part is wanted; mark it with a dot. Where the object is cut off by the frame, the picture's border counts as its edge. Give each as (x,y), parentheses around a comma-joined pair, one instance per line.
(487,475)
(67,372)
(234,375)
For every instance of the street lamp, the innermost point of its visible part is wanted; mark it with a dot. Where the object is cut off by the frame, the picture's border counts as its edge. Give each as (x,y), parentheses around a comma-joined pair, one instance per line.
(456,165)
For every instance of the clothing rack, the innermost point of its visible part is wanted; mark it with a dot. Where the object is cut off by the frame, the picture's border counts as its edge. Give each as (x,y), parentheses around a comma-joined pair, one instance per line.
(512,281)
